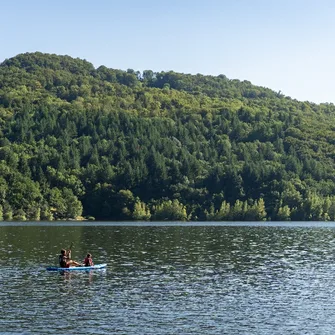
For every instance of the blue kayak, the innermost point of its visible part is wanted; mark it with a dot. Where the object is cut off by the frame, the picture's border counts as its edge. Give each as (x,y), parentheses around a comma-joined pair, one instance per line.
(77,268)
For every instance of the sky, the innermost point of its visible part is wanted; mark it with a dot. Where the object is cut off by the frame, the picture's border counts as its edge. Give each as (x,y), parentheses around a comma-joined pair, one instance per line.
(285,45)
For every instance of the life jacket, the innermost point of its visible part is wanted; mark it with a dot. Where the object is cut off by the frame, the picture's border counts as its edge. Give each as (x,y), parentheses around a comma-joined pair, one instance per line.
(88,261)
(62,261)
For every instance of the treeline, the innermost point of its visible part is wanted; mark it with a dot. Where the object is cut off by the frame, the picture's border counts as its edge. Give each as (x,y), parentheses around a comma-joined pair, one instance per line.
(76,141)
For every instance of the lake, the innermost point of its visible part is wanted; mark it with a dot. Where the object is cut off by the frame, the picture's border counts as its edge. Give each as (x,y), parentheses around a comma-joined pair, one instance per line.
(171,278)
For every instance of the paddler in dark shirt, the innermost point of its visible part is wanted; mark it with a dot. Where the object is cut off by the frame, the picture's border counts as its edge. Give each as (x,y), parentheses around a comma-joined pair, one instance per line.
(65,260)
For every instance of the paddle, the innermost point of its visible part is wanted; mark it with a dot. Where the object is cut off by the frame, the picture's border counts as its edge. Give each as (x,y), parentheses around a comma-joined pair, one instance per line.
(69,255)
(69,250)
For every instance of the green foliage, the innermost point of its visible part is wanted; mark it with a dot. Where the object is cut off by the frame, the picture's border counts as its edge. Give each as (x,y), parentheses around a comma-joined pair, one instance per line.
(141,212)
(170,210)
(121,145)
(284,213)
(240,211)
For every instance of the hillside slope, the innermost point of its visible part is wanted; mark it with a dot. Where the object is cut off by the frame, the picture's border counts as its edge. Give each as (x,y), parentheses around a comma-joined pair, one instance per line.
(125,145)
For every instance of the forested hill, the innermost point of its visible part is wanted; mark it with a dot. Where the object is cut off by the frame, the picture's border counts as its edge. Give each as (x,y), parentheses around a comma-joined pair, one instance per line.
(76,140)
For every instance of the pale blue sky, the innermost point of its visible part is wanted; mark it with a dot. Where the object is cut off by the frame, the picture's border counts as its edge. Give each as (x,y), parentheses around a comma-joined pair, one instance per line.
(285,45)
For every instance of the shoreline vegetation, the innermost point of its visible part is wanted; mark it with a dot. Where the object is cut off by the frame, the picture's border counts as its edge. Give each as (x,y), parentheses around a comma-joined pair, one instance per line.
(85,143)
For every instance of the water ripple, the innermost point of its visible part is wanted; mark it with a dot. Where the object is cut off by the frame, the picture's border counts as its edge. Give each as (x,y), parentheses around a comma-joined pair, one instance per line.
(170,280)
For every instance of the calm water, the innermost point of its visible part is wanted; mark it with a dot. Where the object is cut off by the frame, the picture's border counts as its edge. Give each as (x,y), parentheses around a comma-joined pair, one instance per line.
(174,279)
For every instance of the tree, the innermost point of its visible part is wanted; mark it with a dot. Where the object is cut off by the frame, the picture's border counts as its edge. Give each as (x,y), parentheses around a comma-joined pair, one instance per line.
(171,210)
(74,207)
(141,212)
(237,213)
(257,211)
(223,214)
(284,213)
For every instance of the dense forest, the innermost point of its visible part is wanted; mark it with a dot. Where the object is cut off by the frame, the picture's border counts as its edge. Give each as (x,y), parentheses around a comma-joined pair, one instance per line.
(83,142)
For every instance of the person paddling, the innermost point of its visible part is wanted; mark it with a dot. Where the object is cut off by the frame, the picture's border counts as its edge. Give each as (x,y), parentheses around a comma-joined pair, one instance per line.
(65,260)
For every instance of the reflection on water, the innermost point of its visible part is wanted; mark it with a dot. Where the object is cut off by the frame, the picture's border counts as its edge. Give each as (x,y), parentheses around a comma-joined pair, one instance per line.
(169,280)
